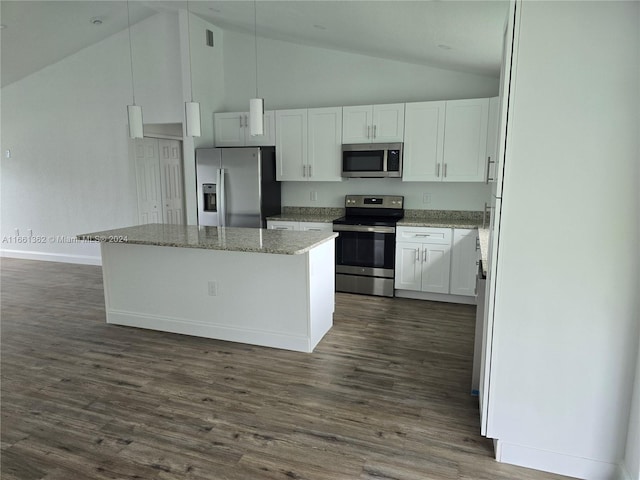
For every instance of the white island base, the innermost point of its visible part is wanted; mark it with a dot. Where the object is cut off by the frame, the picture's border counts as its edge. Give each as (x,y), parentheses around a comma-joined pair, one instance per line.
(273,300)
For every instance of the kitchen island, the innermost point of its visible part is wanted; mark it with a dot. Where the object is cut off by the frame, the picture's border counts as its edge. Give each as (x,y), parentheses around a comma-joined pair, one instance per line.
(263,287)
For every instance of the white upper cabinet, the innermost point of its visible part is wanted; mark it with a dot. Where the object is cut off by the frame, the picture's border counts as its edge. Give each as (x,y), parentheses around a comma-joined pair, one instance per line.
(325,144)
(492,139)
(308,144)
(465,140)
(373,123)
(231,129)
(291,144)
(423,141)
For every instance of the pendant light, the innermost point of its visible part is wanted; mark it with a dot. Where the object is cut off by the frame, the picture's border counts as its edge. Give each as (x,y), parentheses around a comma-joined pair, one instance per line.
(191,109)
(134,112)
(256,105)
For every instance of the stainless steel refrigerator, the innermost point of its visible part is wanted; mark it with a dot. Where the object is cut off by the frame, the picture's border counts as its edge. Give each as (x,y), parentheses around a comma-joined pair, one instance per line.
(237,187)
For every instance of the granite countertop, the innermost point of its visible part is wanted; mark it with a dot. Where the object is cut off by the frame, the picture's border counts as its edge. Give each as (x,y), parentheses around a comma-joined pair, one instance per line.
(308,214)
(441,219)
(282,242)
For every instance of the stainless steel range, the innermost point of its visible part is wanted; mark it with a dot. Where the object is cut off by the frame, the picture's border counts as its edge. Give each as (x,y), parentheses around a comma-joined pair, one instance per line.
(365,247)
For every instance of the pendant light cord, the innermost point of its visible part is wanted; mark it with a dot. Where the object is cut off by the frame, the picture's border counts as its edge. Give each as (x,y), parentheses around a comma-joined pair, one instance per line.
(133,88)
(255,37)
(189,43)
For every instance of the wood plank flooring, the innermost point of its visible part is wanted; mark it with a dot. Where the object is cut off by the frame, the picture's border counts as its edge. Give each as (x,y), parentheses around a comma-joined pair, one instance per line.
(384,396)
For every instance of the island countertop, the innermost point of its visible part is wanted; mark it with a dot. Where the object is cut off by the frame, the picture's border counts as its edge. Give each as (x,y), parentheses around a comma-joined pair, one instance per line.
(281,242)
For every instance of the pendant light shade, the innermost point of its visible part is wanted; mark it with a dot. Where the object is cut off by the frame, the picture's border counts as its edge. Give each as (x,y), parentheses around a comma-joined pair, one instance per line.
(256,116)
(134,112)
(191,109)
(256,105)
(192,116)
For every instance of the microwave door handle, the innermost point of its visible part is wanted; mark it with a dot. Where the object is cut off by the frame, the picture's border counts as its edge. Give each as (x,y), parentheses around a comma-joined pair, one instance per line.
(385,157)
(222,204)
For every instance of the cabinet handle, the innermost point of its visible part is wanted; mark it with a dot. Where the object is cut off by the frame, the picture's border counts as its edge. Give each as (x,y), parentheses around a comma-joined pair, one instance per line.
(309,171)
(445,170)
(240,121)
(368,131)
(489,162)
(438,170)
(424,255)
(477,243)
(375,131)
(417,259)
(304,170)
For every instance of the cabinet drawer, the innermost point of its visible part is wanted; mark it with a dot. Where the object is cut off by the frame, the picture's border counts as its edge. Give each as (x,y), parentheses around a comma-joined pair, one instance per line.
(439,236)
(282,225)
(316,227)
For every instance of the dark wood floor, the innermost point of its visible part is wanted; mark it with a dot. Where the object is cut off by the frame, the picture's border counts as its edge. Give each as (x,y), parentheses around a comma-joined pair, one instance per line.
(384,396)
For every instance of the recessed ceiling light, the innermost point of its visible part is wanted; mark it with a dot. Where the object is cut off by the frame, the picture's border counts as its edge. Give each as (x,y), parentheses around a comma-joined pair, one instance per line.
(444,47)
(95,21)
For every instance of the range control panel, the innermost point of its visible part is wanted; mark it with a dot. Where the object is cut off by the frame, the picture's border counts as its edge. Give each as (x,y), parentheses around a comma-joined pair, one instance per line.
(374,201)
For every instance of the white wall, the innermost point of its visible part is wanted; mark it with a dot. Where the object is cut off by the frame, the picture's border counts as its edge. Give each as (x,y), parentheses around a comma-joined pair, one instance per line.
(66,126)
(566,311)
(298,76)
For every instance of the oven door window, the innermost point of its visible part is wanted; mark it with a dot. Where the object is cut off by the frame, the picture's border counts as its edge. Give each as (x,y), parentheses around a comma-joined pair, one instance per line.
(367,161)
(359,249)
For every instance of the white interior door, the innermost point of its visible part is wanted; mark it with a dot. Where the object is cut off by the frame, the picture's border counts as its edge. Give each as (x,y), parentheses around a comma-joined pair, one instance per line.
(148,181)
(172,189)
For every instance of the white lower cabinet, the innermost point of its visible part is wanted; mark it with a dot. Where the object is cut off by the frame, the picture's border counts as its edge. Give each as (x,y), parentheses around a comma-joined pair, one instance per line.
(423,259)
(464,262)
(299,226)
(436,260)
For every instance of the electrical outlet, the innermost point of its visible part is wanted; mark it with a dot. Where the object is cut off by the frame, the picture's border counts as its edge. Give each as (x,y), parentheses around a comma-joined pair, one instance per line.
(7,153)
(426,198)
(314,196)
(213,288)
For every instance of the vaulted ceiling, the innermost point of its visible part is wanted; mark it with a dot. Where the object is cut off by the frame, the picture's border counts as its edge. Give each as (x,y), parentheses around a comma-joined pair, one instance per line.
(454,34)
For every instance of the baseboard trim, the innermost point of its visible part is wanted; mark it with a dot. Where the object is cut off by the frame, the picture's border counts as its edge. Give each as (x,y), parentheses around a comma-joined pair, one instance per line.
(554,462)
(51,257)
(436,297)
(217,332)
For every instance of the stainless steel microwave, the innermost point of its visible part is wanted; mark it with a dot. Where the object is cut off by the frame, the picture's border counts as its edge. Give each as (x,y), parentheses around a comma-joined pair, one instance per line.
(372,160)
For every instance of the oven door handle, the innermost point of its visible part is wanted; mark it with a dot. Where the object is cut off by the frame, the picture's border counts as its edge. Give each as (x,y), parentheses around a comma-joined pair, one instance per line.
(363,228)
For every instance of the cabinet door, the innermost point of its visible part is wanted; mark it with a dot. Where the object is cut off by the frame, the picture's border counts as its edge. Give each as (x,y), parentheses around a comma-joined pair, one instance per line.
(316,227)
(268,139)
(282,225)
(408,271)
(229,129)
(465,140)
(492,139)
(291,145)
(436,265)
(388,123)
(357,124)
(464,255)
(325,144)
(423,141)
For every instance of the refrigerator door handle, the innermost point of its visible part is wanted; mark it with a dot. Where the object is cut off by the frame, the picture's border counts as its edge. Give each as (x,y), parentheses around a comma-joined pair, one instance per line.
(222,207)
